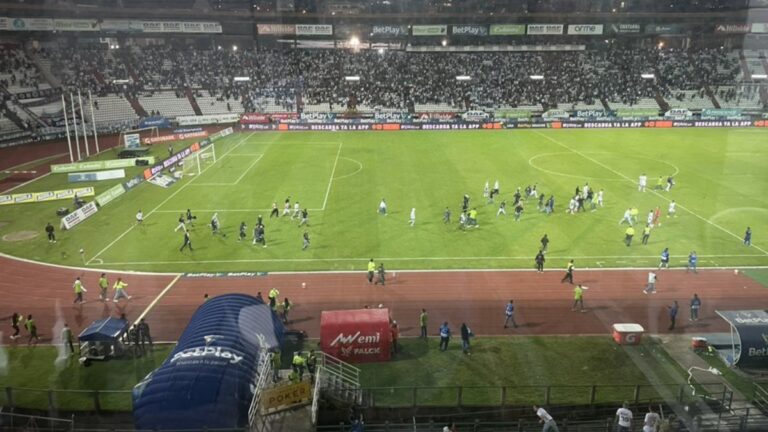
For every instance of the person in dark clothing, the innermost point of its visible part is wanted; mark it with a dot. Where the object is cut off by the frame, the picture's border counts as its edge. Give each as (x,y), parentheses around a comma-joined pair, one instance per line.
(381,274)
(187,242)
(15,321)
(50,231)
(144,335)
(544,243)
(673,315)
(445,336)
(466,333)
(568,273)
(190,217)
(540,261)
(242,235)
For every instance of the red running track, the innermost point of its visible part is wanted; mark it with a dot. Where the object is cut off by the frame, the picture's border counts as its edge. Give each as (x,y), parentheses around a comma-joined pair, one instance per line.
(479,297)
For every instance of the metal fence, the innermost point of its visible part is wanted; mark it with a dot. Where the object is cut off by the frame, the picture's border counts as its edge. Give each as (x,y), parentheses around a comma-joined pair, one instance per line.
(545,395)
(67,400)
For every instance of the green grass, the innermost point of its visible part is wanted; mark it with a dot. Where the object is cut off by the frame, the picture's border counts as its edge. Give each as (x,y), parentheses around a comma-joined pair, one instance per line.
(341,177)
(526,366)
(758,274)
(33,371)
(738,380)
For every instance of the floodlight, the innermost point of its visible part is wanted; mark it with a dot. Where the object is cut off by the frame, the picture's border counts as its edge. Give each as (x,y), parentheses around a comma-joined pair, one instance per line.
(241,79)
(647,76)
(463,78)
(759,76)
(537,77)
(352,78)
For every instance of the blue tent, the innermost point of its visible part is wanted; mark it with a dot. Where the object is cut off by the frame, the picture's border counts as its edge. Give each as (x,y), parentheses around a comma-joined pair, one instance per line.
(207,381)
(104,330)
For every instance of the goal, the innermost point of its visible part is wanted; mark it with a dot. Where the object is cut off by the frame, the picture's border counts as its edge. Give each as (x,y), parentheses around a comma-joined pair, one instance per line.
(197,162)
(135,137)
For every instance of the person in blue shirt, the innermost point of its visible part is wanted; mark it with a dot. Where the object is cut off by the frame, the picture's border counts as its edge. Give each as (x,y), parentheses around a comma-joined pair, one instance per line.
(673,315)
(664,261)
(445,336)
(509,312)
(693,259)
(695,306)
(748,237)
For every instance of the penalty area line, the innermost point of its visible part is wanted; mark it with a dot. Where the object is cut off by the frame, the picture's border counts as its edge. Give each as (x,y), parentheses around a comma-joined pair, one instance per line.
(597,162)
(176,192)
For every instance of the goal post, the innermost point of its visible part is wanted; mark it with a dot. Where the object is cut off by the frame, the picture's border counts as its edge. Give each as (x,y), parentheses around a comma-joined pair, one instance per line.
(134,137)
(197,162)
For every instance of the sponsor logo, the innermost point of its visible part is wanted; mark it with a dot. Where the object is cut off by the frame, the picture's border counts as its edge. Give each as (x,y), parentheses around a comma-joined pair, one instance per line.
(758,352)
(389,30)
(631,337)
(625,28)
(751,321)
(208,352)
(429,30)
(474,116)
(356,338)
(469,30)
(585,29)
(545,29)
(733,28)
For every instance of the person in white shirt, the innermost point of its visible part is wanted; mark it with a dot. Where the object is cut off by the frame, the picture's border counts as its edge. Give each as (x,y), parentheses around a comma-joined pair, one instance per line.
(495,190)
(624,418)
(627,217)
(649,219)
(182,226)
(296,211)
(652,421)
(139,217)
(600,198)
(215,223)
(383,207)
(413,217)
(546,420)
(572,206)
(287,207)
(487,190)
(585,190)
(642,182)
(651,287)
(671,211)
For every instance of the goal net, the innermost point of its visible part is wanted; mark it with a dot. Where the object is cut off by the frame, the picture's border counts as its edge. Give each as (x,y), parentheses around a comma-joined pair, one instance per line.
(197,162)
(135,137)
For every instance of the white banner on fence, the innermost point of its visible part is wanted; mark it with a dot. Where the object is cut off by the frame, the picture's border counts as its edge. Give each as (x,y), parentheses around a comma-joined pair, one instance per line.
(314,29)
(585,29)
(79,215)
(429,30)
(759,27)
(208,119)
(545,29)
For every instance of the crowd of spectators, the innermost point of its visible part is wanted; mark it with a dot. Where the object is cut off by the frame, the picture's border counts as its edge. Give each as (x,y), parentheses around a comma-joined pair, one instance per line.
(295,78)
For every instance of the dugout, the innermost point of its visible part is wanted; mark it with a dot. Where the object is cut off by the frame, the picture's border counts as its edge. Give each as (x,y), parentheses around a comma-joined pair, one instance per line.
(102,339)
(749,339)
(208,381)
(356,336)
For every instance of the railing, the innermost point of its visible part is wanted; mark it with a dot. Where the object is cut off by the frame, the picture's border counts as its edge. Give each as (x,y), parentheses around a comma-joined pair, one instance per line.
(451,396)
(12,421)
(761,398)
(264,373)
(67,400)
(319,376)
(349,374)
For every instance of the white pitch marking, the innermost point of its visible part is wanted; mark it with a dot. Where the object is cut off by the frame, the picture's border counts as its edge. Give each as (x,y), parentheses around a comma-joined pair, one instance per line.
(652,191)
(165,201)
(158,298)
(333,172)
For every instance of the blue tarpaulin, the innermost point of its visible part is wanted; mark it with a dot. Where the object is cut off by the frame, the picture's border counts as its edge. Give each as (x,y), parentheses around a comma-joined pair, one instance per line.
(104,330)
(207,381)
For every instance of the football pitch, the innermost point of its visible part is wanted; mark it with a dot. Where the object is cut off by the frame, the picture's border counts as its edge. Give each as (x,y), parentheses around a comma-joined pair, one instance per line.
(340,178)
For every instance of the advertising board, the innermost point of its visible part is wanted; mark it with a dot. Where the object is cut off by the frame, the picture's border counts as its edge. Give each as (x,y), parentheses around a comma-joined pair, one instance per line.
(585,29)
(429,30)
(507,29)
(356,336)
(545,29)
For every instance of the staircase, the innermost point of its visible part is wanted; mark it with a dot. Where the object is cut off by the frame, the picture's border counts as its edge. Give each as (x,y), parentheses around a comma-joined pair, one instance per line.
(711,95)
(193,101)
(339,380)
(136,105)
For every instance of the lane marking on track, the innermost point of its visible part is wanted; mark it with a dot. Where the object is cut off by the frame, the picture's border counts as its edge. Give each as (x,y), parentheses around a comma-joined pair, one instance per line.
(597,162)
(176,192)
(289,260)
(158,298)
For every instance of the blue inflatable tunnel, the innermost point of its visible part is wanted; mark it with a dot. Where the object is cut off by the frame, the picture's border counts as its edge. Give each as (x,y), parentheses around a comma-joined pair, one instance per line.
(208,379)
